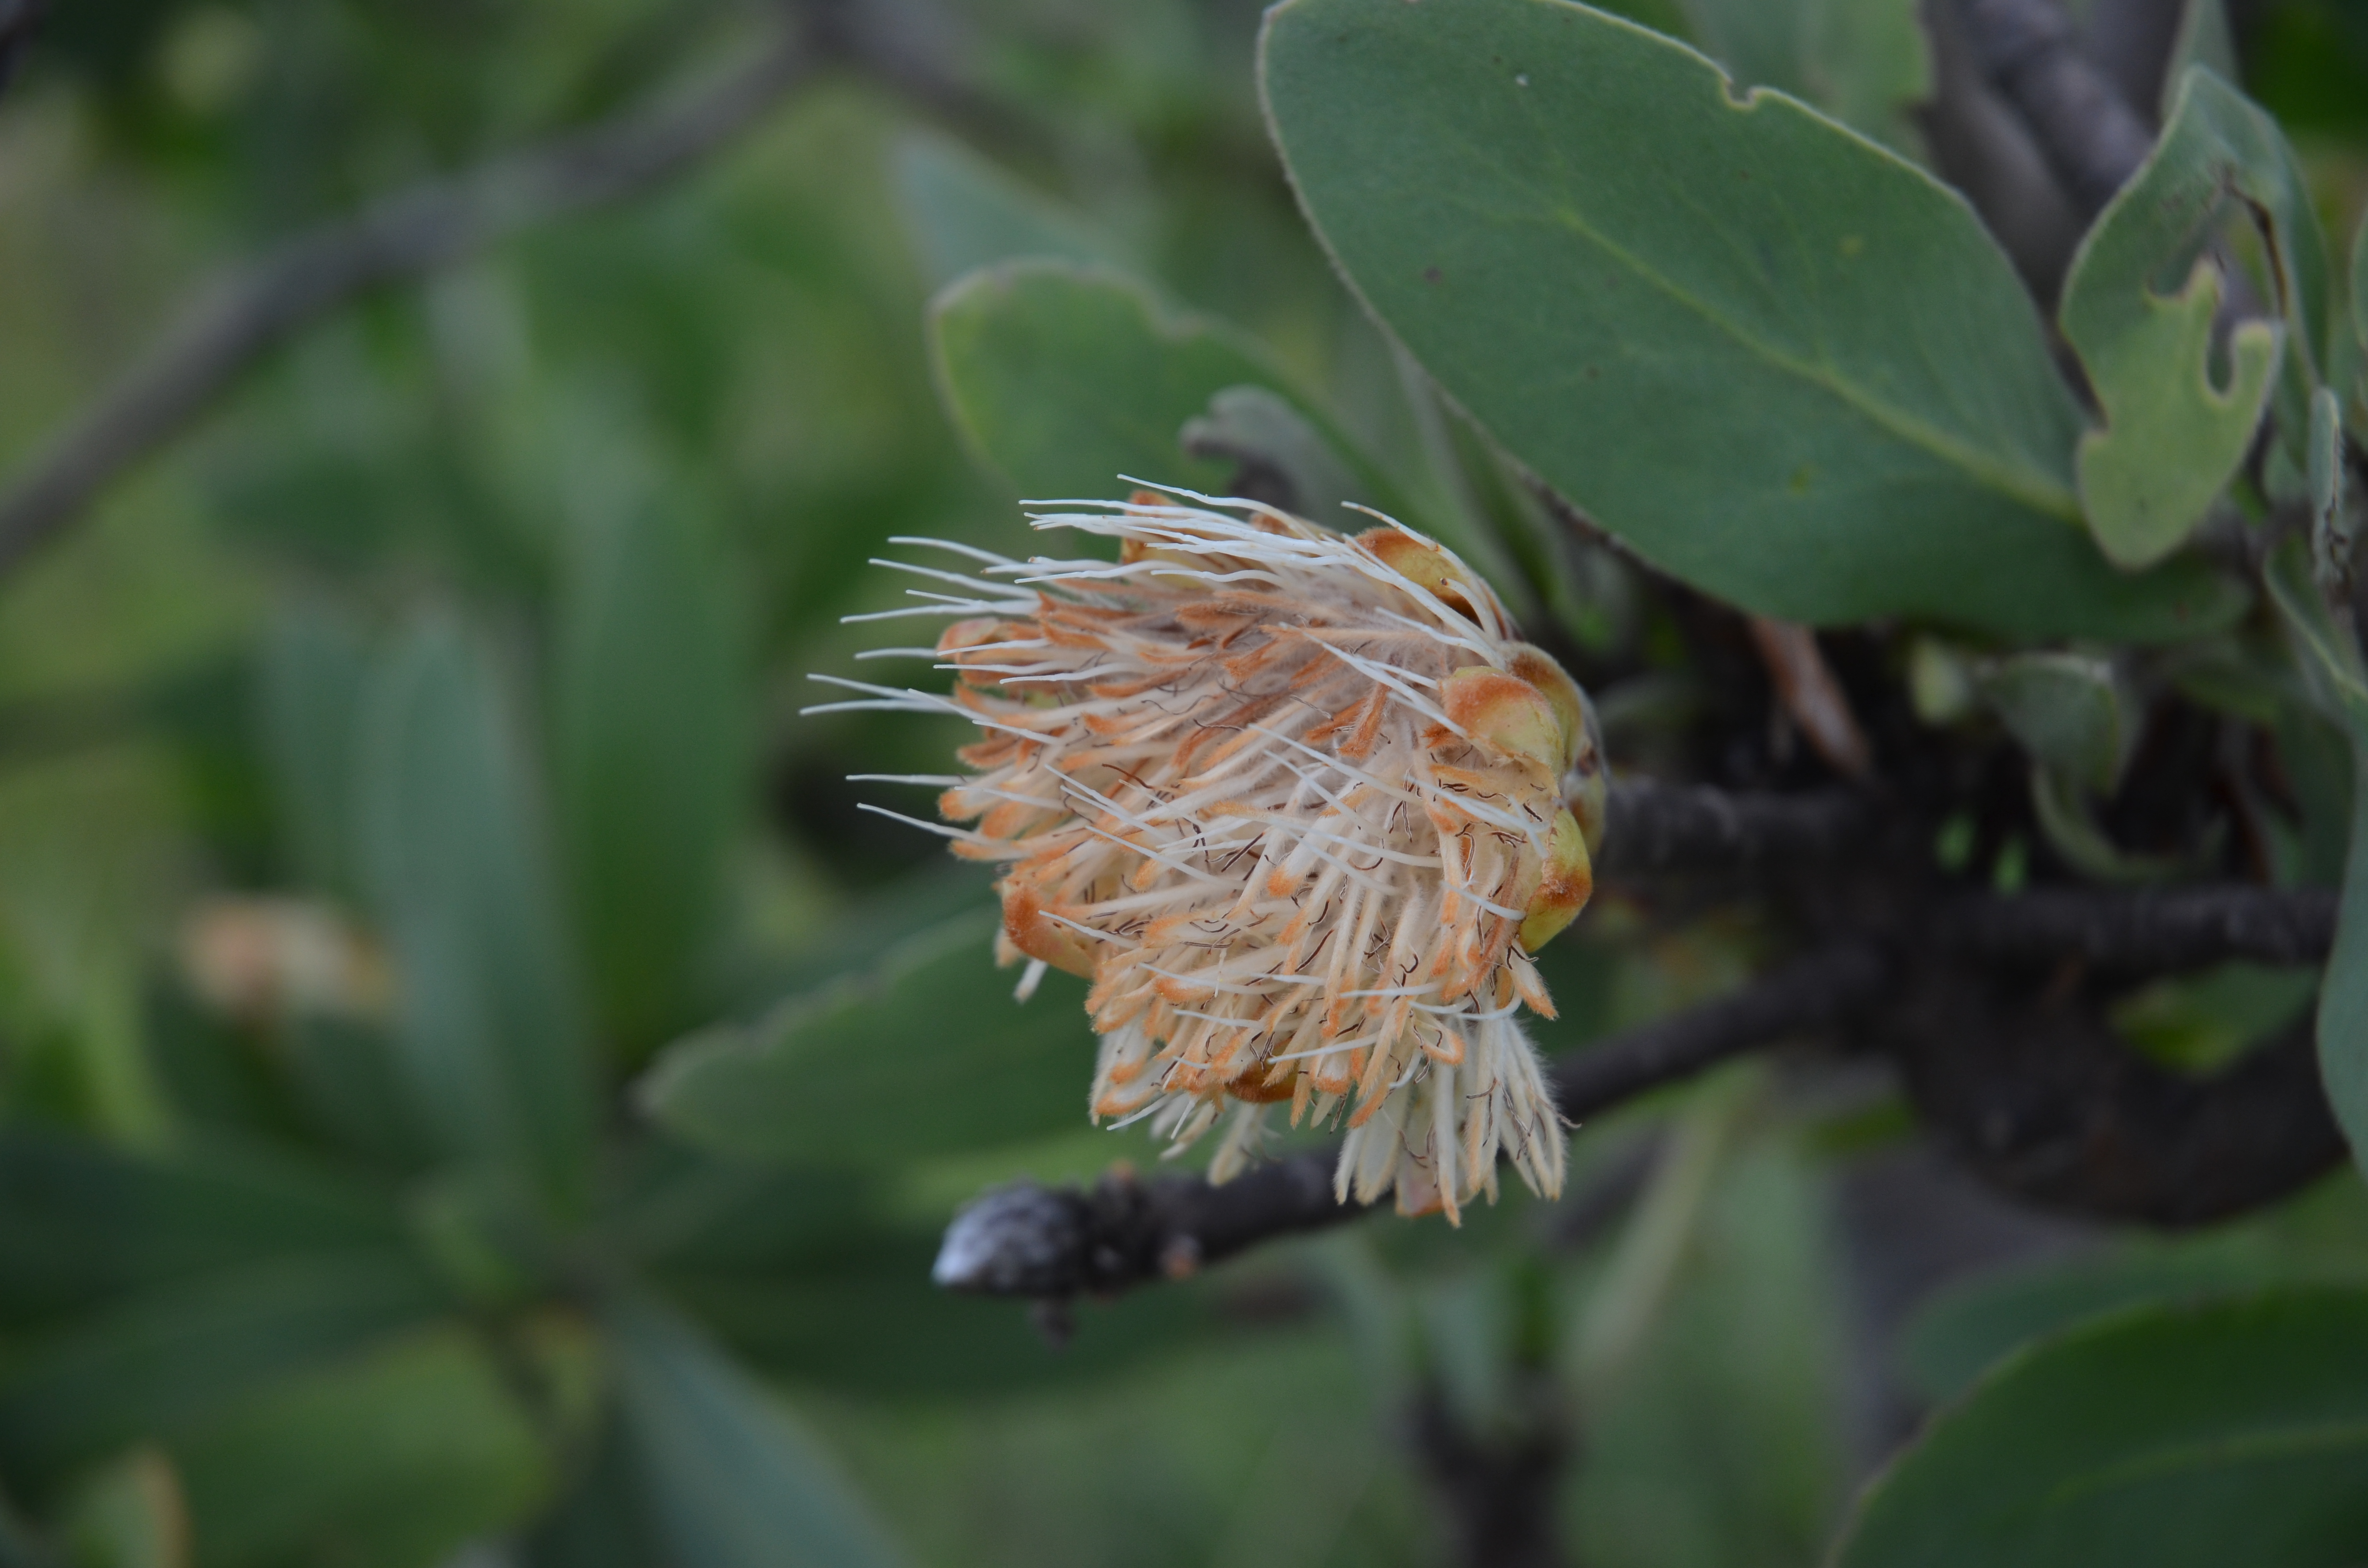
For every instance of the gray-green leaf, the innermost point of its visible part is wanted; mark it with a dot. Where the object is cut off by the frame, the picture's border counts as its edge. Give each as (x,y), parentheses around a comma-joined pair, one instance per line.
(1968,1328)
(964,213)
(924,1054)
(2166,1436)
(160,1361)
(492,1029)
(2349,357)
(2344,996)
(1713,325)
(1261,433)
(2171,438)
(1862,62)
(2360,283)
(867,1321)
(2067,710)
(392,1459)
(2330,653)
(2204,38)
(732,1482)
(650,763)
(2067,816)
(80,1221)
(1064,379)
(309,672)
(2332,662)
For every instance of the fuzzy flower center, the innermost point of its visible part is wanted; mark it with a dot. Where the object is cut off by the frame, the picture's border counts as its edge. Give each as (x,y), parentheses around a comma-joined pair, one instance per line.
(1301,807)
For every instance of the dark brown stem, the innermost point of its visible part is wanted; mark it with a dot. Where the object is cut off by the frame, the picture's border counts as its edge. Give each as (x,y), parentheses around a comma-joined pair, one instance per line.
(1807,993)
(1029,1240)
(2149,931)
(1657,830)
(2132,40)
(1057,1242)
(2045,1103)
(1980,146)
(1498,1489)
(2087,130)
(258,306)
(2173,1148)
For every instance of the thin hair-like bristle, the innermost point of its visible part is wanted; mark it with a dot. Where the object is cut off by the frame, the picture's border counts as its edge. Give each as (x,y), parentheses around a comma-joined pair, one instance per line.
(1252,779)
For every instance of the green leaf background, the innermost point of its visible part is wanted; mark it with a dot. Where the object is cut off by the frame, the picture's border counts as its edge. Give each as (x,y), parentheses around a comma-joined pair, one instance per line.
(492,1024)
(1744,382)
(2079,1448)
(473,622)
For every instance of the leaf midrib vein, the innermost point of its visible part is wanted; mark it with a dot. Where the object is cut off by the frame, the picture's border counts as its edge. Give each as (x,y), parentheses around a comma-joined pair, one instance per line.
(2284,1442)
(2013,480)
(2033,490)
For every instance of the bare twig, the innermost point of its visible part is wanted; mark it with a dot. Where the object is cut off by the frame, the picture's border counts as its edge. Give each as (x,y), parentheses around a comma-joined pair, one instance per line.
(2042,1101)
(1498,1486)
(1656,830)
(2087,130)
(1980,146)
(1056,1241)
(260,304)
(1028,1240)
(2148,931)
(1806,994)
(2132,42)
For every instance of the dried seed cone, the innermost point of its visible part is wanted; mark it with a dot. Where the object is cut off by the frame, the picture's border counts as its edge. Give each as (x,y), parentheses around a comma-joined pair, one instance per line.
(1302,808)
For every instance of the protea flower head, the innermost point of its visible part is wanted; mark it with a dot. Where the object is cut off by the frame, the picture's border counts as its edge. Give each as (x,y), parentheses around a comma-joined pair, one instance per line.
(1301,807)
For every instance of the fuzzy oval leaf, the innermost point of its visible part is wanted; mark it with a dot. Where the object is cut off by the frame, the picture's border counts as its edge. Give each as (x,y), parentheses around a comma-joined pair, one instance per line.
(2343,996)
(2066,813)
(1780,362)
(2348,357)
(1967,1328)
(1865,62)
(965,212)
(925,1052)
(2204,39)
(1063,377)
(2166,1436)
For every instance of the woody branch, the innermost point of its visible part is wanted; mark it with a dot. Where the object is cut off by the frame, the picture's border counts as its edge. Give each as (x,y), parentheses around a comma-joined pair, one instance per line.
(2143,1144)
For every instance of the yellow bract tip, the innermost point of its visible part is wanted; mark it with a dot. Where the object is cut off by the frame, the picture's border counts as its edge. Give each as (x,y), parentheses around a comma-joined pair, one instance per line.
(1568,883)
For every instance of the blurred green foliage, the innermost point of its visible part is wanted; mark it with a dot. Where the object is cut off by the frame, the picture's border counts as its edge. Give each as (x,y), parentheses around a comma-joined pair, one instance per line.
(390,770)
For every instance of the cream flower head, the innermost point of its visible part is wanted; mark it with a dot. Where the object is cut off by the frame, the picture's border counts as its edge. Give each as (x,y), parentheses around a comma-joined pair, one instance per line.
(1301,807)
